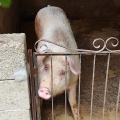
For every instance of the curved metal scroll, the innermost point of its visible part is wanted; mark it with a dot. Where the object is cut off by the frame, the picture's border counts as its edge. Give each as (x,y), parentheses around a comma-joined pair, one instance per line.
(102,49)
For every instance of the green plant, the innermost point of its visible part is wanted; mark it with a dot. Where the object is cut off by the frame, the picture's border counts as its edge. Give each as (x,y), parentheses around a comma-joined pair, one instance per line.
(5,3)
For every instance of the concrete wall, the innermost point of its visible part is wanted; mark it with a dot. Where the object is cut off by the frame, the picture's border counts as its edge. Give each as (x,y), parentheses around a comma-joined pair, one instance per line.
(75,9)
(14,95)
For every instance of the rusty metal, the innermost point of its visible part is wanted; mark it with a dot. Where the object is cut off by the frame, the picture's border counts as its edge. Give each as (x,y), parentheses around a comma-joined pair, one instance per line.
(103,50)
(38,109)
(117,104)
(66,87)
(106,82)
(32,86)
(35,112)
(93,78)
(52,88)
(79,83)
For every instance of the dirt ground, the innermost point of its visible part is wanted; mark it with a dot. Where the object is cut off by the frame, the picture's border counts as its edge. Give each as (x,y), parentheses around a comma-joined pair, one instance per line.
(59,114)
(99,89)
(85,31)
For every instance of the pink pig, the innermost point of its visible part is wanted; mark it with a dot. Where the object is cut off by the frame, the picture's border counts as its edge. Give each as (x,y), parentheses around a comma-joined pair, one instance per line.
(52,24)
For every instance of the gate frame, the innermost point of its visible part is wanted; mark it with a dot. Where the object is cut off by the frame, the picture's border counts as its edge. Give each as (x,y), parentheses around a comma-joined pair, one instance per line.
(35,101)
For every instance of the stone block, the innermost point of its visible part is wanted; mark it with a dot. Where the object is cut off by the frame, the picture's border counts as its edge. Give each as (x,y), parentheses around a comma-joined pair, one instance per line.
(14,95)
(15,115)
(12,54)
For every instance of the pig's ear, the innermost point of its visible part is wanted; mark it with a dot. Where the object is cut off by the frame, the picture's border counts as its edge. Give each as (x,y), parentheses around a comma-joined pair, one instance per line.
(72,65)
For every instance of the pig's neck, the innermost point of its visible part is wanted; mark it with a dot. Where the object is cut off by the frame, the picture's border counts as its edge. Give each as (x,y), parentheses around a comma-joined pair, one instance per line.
(60,35)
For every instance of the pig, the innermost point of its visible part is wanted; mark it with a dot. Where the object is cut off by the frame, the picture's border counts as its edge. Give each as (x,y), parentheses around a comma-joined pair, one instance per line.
(52,24)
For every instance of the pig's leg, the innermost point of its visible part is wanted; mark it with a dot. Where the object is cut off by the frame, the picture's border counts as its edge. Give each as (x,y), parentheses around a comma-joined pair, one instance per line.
(73,101)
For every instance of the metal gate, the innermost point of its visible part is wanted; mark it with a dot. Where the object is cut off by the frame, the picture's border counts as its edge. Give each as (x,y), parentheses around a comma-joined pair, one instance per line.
(103,51)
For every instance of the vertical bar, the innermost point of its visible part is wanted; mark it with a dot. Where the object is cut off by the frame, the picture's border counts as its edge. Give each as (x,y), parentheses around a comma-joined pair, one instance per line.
(32,87)
(38,114)
(108,62)
(117,104)
(79,89)
(93,78)
(52,86)
(65,86)
(36,97)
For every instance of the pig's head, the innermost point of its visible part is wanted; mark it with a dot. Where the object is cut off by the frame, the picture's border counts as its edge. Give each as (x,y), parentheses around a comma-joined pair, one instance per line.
(54,79)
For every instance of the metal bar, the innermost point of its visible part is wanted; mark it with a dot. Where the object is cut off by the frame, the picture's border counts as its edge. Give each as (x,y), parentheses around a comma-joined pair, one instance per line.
(101,48)
(32,87)
(93,78)
(108,62)
(66,87)
(38,114)
(77,53)
(117,104)
(35,84)
(52,87)
(79,88)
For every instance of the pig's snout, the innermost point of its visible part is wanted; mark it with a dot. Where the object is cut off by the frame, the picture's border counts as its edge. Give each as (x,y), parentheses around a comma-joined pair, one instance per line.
(44,93)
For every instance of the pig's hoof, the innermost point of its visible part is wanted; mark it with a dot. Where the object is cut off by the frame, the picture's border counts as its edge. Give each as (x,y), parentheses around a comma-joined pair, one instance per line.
(78,118)
(44,93)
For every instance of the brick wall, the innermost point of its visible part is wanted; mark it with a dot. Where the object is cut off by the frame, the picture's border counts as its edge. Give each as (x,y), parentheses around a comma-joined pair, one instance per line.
(14,95)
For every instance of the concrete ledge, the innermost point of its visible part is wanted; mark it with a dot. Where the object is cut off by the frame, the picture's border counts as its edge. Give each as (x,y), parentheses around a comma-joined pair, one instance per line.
(15,115)
(14,95)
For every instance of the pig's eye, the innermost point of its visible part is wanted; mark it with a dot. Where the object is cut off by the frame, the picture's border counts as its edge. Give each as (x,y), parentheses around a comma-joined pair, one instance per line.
(62,72)
(46,67)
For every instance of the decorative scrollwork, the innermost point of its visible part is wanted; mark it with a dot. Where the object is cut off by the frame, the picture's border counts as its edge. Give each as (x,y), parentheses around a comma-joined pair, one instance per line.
(102,49)
(96,40)
(114,43)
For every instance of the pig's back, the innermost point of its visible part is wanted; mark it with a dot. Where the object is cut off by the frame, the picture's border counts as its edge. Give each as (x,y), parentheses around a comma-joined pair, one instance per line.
(52,24)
